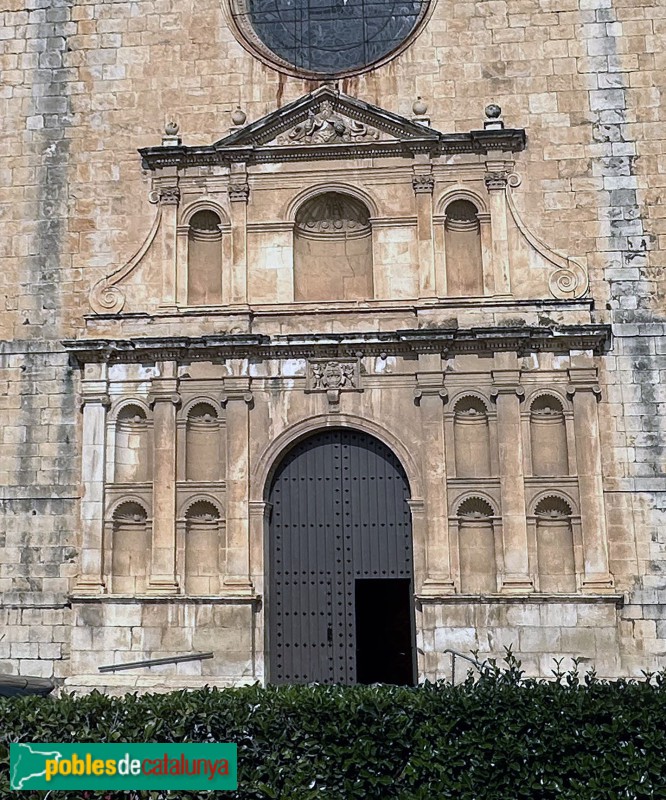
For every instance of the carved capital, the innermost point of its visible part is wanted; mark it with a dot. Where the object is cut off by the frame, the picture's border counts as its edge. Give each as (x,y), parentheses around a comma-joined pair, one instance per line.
(95,399)
(507,389)
(583,379)
(239,192)
(169,195)
(423,184)
(430,391)
(572,388)
(94,392)
(164,397)
(496,180)
(229,397)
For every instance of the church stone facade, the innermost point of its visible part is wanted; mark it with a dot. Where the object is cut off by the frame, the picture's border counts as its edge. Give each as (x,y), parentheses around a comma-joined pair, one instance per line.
(324,369)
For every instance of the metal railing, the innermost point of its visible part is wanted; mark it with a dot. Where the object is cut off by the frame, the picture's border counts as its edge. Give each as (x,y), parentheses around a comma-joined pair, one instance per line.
(153,662)
(455,654)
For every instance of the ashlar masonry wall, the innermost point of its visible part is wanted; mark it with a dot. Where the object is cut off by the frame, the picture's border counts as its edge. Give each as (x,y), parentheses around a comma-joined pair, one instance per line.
(84,84)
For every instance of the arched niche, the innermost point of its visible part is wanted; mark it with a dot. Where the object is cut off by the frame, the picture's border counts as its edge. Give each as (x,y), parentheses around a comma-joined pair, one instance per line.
(132,452)
(548,436)
(202,444)
(204,258)
(130,548)
(202,548)
(462,244)
(471,438)
(476,543)
(332,249)
(555,546)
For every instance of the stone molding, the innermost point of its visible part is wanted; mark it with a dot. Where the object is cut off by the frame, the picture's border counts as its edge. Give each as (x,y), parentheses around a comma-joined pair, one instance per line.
(525,339)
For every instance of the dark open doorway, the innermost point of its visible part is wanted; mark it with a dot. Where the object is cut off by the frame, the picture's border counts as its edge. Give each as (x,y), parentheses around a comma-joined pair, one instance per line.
(384,631)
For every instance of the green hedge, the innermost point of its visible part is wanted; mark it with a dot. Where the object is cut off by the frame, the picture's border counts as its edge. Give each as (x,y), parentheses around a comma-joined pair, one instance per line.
(501,737)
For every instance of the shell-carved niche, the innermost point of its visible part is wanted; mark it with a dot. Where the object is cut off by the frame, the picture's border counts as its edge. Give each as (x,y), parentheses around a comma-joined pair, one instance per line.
(202,548)
(471,438)
(333,249)
(548,435)
(130,549)
(476,543)
(203,446)
(555,546)
(133,451)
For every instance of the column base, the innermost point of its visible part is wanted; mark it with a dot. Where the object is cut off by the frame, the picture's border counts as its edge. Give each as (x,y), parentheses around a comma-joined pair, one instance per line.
(599,583)
(89,584)
(162,586)
(517,584)
(434,587)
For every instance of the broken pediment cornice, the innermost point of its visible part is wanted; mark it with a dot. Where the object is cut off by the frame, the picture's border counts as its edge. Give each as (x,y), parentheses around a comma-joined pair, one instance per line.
(327,124)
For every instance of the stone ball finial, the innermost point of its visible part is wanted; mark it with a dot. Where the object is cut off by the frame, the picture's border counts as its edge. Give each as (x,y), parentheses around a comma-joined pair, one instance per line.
(493,111)
(171,128)
(239,116)
(420,107)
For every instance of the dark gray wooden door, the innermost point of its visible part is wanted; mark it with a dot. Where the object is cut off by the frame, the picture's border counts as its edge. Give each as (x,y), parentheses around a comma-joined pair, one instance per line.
(339,514)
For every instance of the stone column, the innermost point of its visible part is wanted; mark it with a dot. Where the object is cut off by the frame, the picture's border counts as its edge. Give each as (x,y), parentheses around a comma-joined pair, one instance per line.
(95,402)
(423,183)
(164,400)
(508,394)
(169,197)
(431,396)
(496,180)
(239,194)
(237,400)
(585,393)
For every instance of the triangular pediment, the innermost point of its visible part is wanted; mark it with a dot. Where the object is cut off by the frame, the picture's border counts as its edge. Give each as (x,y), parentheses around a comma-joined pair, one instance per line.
(327,124)
(327,117)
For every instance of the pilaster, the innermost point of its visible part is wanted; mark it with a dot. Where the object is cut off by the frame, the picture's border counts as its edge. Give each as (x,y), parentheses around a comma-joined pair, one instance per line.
(423,183)
(430,396)
(95,402)
(164,400)
(237,400)
(169,198)
(239,195)
(508,394)
(496,178)
(585,393)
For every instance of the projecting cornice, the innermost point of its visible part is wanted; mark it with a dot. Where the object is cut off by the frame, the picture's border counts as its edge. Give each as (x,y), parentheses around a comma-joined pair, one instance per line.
(595,338)
(327,124)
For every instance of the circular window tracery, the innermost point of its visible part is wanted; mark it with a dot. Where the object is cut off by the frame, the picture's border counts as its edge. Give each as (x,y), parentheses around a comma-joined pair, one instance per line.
(327,38)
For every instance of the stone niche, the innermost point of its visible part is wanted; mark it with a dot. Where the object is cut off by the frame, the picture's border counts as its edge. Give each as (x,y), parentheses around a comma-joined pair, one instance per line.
(333,249)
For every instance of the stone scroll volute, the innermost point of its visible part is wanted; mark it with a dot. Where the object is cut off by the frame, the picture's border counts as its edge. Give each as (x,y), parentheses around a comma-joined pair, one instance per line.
(107,295)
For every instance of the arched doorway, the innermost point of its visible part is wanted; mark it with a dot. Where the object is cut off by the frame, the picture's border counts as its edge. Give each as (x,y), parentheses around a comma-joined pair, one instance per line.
(340,561)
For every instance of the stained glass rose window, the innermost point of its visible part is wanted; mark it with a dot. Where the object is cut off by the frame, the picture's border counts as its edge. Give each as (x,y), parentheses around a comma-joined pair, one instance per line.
(328,37)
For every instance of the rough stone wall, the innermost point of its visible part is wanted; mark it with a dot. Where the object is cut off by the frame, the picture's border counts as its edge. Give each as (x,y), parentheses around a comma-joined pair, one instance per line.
(86,83)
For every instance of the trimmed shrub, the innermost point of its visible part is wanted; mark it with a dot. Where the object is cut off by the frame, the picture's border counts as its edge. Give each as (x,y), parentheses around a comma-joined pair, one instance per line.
(498,736)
